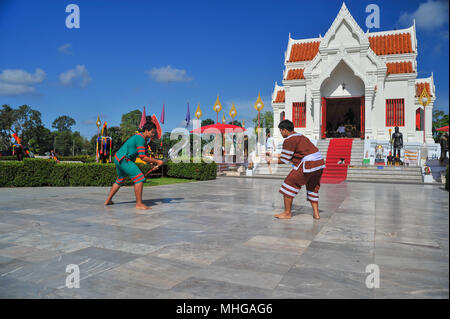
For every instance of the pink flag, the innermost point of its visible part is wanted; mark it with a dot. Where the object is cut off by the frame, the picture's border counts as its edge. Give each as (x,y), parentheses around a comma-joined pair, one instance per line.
(143,119)
(162,115)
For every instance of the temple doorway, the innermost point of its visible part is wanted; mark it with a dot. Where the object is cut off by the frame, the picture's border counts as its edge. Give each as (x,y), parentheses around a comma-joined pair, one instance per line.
(343,117)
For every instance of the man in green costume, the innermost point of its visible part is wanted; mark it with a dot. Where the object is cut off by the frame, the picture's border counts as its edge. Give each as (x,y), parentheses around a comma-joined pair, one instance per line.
(124,159)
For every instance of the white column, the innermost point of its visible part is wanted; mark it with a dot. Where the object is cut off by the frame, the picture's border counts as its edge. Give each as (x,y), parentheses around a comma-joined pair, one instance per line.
(410,111)
(317,114)
(428,123)
(368,101)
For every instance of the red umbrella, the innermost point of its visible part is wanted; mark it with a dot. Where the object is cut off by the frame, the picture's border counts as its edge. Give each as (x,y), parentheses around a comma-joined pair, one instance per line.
(219,126)
(443,129)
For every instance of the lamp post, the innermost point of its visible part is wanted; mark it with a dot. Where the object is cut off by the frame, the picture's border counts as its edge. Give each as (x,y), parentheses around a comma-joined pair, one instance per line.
(217,108)
(259,105)
(198,112)
(233,113)
(98,123)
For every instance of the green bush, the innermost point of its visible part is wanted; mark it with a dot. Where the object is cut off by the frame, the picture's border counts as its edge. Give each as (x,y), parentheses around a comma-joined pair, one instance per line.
(43,172)
(8,158)
(199,171)
(78,158)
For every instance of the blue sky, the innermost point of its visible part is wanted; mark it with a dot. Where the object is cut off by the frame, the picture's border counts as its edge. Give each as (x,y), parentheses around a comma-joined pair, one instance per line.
(127,54)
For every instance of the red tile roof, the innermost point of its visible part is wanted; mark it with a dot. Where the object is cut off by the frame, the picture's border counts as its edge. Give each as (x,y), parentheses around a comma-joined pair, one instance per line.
(391,44)
(399,67)
(304,51)
(420,86)
(280,97)
(295,74)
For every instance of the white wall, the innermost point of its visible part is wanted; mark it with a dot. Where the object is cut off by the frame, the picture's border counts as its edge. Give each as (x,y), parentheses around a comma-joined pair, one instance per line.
(332,87)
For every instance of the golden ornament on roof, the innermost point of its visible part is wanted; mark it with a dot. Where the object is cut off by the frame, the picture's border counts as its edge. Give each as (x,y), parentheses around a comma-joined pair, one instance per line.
(424,98)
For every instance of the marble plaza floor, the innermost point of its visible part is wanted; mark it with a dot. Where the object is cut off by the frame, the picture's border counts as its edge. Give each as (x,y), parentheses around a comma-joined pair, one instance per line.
(218,239)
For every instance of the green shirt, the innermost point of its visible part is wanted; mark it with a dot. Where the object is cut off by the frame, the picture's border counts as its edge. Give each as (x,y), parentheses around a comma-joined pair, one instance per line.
(132,148)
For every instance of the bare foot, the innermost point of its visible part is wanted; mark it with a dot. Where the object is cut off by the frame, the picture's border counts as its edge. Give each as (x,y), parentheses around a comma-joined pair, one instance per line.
(109,203)
(142,206)
(283,215)
(316,217)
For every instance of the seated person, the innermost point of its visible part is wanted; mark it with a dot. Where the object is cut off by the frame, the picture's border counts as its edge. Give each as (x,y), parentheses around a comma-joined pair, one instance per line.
(341,130)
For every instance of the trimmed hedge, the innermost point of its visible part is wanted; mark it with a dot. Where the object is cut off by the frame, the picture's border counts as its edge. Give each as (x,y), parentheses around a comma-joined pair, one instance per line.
(41,172)
(78,158)
(199,171)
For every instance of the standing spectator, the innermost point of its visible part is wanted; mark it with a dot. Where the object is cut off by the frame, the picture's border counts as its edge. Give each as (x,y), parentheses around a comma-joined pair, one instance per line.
(444,147)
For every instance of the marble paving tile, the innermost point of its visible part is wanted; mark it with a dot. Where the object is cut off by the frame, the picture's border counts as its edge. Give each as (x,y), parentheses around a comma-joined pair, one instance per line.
(243,277)
(30,254)
(281,244)
(152,272)
(216,289)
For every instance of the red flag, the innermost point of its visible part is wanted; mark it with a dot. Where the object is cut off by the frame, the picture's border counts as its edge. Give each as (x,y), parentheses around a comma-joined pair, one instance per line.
(143,119)
(162,115)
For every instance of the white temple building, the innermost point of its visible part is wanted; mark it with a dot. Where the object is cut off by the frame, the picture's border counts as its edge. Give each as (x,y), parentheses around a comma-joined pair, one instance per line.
(364,79)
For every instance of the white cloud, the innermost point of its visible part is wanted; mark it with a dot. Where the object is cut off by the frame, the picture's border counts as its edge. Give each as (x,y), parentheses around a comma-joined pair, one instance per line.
(22,77)
(429,16)
(168,74)
(65,48)
(18,82)
(16,89)
(79,76)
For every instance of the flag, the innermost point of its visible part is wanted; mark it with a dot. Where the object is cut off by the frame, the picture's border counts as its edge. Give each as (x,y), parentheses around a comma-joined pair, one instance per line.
(143,119)
(188,116)
(162,116)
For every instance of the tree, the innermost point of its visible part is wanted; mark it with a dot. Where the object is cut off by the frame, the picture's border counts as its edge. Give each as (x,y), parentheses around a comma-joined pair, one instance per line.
(41,141)
(440,119)
(237,123)
(129,124)
(207,122)
(7,118)
(24,121)
(63,123)
(266,120)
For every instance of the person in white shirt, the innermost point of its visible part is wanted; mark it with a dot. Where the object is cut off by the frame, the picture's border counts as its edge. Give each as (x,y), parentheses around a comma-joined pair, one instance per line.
(270,149)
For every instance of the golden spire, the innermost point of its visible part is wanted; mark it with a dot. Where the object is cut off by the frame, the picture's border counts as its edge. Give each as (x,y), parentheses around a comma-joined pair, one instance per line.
(223,119)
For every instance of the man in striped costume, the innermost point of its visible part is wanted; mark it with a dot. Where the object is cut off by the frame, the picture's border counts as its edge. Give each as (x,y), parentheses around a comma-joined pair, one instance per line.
(307,164)
(125,166)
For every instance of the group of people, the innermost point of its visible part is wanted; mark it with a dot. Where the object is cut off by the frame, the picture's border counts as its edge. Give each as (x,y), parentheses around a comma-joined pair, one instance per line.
(298,151)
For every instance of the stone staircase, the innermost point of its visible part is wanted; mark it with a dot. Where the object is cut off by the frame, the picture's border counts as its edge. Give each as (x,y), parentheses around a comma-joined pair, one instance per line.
(357,150)
(356,172)
(385,174)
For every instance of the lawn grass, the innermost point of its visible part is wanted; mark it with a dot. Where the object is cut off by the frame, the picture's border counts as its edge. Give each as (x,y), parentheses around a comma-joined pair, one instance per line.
(166,181)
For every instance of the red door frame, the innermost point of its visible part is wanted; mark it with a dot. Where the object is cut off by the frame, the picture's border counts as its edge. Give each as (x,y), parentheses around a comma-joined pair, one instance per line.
(362,112)
(324,118)
(324,114)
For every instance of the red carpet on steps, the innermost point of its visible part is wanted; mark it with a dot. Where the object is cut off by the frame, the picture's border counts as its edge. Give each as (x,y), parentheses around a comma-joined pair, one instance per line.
(337,149)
